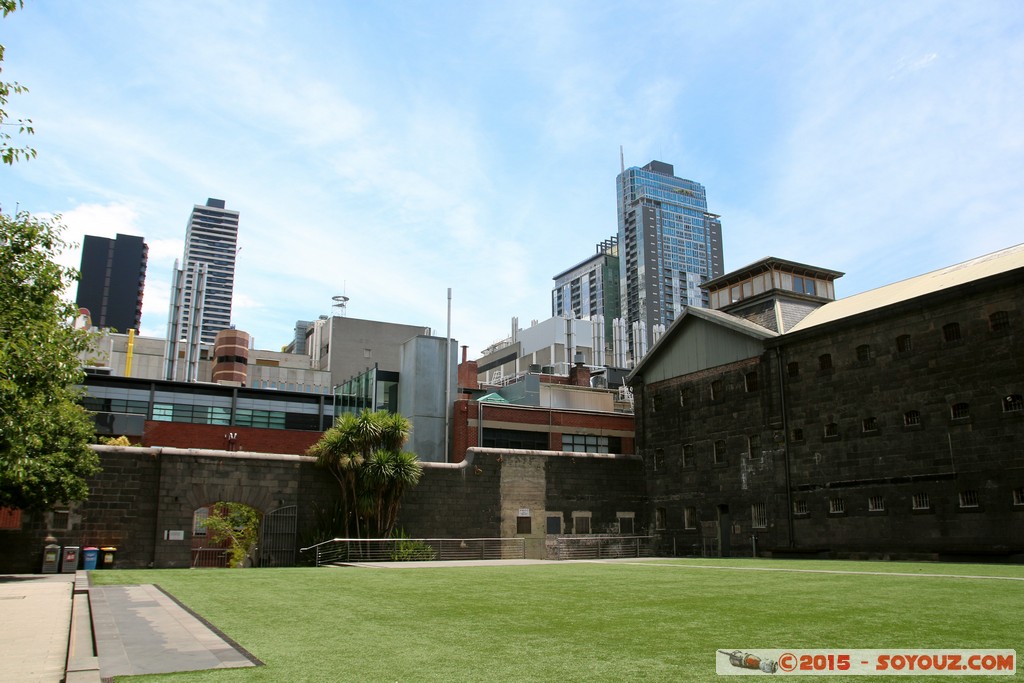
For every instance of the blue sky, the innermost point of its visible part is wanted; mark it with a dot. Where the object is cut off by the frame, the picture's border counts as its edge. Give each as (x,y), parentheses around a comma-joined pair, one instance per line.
(390,150)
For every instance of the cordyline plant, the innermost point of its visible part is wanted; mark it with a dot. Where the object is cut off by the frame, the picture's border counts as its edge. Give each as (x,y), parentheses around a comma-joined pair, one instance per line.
(364,453)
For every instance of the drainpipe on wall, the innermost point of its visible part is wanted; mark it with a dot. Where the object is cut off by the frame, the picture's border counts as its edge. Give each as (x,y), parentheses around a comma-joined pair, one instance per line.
(785,448)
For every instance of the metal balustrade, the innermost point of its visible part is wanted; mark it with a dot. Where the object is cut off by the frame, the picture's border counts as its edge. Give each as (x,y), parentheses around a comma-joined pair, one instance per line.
(594,547)
(354,550)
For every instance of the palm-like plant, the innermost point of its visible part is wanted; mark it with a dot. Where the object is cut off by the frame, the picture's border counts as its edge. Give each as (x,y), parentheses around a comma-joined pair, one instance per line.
(363,453)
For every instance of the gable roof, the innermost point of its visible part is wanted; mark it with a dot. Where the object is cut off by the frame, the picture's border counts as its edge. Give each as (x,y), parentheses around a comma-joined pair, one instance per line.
(689,314)
(1003,261)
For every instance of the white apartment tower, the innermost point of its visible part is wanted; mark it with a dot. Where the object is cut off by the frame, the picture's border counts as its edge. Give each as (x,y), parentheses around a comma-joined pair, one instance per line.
(202,284)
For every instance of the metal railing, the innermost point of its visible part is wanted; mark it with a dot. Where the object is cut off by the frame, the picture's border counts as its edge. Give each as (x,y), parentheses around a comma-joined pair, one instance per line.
(586,547)
(210,557)
(353,550)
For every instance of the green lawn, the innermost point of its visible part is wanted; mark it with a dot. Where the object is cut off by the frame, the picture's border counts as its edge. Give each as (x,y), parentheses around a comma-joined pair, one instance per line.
(659,620)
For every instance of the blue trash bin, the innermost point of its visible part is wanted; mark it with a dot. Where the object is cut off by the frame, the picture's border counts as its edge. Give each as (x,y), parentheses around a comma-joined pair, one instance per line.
(89,557)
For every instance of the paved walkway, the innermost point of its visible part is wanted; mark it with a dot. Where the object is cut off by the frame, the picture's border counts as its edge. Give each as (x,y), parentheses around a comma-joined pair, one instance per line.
(35,622)
(47,622)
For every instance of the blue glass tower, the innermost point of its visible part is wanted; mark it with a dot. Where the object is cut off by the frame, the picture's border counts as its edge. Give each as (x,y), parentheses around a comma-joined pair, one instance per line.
(668,245)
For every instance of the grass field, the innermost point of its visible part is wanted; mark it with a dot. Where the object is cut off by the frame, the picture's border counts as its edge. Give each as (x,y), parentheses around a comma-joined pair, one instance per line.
(657,620)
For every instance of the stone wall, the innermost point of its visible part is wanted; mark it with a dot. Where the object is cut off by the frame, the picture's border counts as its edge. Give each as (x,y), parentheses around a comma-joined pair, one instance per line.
(144,495)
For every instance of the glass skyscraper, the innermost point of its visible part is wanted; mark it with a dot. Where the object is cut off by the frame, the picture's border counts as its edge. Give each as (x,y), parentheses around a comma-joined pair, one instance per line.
(668,245)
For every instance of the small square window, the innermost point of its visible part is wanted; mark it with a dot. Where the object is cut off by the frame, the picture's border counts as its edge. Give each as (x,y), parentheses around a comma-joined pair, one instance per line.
(800,507)
(870,424)
(825,361)
(911,418)
(61,519)
(831,430)
(580,524)
(903,344)
(523,525)
(863,353)
(1013,403)
(1018,495)
(554,524)
(969,499)
(798,434)
(836,505)
(920,501)
(625,523)
(951,332)
(793,369)
(960,411)
(876,503)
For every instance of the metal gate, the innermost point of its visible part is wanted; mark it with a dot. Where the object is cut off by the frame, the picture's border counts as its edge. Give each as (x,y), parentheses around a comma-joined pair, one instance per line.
(277,537)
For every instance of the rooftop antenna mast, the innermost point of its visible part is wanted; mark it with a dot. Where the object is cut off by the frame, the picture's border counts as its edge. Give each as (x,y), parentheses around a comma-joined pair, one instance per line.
(340,305)
(622,161)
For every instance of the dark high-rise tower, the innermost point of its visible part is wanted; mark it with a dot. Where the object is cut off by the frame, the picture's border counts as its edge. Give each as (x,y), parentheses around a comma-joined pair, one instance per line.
(113,277)
(668,245)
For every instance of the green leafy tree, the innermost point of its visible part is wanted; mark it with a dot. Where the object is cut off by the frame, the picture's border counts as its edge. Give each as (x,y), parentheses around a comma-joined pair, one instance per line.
(364,453)
(44,433)
(237,523)
(10,153)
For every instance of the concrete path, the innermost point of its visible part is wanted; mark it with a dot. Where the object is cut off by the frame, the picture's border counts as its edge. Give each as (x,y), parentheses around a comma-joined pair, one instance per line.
(142,630)
(48,624)
(35,622)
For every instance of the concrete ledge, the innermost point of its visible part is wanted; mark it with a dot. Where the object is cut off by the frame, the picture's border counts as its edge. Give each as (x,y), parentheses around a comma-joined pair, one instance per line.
(83,665)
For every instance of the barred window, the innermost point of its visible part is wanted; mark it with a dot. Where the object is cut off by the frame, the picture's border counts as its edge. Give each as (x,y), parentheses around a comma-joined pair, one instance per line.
(903,344)
(969,499)
(659,518)
(793,369)
(876,503)
(719,452)
(951,332)
(659,459)
(798,434)
(717,390)
(864,352)
(690,518)
(800,507)
(836,505)
(825,361)
(759,516)
(1000,320)
(1012,403)
(750,380)
(960,411)
(870,424)
(920,501)
(831,430)
(911,418)
(1018,495)
(688,454)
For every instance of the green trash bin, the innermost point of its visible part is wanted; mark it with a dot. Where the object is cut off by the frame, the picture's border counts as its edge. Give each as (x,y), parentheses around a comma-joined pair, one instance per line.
(107,555)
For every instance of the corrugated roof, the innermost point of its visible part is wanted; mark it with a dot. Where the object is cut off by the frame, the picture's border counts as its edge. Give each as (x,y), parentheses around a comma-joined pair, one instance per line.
(952,276)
